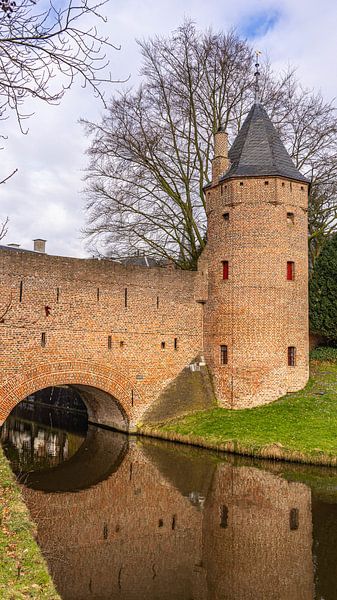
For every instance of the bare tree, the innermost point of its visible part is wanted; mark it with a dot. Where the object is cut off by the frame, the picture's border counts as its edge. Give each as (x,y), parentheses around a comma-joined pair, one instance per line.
(44,47)
(150,154)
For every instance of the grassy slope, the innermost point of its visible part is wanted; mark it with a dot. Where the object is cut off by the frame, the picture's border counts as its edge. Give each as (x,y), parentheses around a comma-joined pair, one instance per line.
(23,572)
(302,423)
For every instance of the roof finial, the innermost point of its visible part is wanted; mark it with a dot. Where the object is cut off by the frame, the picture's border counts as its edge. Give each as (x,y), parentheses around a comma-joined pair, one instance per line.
(257,75)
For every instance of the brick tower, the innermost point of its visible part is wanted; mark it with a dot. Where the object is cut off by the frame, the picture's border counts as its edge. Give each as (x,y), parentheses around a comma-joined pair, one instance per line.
(256,316)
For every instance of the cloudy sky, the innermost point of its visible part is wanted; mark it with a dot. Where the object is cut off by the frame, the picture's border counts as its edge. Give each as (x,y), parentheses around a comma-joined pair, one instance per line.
(44,198)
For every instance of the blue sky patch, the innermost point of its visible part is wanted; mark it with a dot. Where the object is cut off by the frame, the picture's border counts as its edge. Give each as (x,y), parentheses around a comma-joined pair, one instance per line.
(257,24)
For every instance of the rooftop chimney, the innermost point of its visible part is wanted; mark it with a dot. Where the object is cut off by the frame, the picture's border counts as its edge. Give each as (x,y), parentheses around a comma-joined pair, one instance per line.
(39,245)
(220,162)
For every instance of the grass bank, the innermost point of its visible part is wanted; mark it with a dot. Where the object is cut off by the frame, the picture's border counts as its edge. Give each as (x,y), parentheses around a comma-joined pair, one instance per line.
(300,427)
(23,572)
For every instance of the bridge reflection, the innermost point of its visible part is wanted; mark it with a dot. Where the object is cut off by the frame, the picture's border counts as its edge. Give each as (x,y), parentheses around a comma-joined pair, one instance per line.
(153,520)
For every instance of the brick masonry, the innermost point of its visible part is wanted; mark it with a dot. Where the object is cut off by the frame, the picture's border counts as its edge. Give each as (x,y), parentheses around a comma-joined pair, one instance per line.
(131,332)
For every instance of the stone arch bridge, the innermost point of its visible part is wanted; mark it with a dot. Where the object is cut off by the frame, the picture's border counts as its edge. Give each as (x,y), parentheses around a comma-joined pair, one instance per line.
(123,336)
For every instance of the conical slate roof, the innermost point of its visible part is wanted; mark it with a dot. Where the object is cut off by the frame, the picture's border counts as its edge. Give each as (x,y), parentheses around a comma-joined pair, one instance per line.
(258,150)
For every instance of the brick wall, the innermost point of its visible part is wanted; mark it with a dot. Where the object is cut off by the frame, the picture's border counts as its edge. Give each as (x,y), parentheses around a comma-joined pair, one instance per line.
(106,328)
(257,313)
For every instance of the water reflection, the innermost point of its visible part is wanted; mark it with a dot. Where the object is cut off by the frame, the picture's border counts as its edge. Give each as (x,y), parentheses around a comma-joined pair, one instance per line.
(131,518)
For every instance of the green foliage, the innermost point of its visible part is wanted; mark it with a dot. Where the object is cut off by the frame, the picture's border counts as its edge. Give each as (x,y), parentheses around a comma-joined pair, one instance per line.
(324,354)
(304,422)
(323,292)
(23,572)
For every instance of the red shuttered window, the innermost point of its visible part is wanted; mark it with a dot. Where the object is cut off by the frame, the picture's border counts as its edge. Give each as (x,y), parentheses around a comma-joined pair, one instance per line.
(290,270)
(225,269)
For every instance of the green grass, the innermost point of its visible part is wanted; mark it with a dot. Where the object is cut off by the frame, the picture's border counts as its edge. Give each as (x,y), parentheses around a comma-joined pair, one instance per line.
(23,572)
(302,425)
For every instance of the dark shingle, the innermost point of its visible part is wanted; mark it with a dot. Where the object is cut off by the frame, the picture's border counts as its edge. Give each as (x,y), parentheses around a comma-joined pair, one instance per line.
(258,150)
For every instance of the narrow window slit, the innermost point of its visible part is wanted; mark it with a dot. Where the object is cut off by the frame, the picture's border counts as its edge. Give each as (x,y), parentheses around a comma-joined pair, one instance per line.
(223,355)
(43,339)
(98,294)
(226,216)
(57,294)
(126,297)
(163,345)
(224,516)
(21,291)
(291,356)
(157,301)
(176,343)
(225,269)
(109,342)
(294,519)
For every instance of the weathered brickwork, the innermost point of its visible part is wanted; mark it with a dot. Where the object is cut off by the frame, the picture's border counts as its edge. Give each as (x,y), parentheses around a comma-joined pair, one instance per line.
(130,331)
(106,328)
(257,313)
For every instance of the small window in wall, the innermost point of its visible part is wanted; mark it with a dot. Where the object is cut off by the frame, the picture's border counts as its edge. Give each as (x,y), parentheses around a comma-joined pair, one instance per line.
(294,519)
(97,294)
(160,523)
(157,301)
(163,345)
(43,339)
(109,342)
(283,184)
(57,294)
(241,183)
(223,355)
(290,270)
(121,344)
(291,356)
(224,516)
(126,297)
(226,217)
(302,188)
(225,269)
(221,189)
(21,290)
(266,183)
(290,218)
(176,343)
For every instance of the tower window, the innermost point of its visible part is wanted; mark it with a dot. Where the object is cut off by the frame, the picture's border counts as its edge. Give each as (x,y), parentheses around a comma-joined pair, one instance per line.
(291,356)
(225,269)
(221,189)
(302,188)
(224,516)
(290,270)
(294,519)
(290,218)
(226,216)
(163,345)
(109,342)
(43,339)
(223,355)
(176,343)
(241,183)
(266,183)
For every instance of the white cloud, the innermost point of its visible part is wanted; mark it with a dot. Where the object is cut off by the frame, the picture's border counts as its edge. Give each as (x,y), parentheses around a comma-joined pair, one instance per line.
(44,200)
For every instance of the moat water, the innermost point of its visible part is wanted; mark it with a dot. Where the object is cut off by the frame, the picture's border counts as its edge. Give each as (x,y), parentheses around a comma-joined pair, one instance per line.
(131,518)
